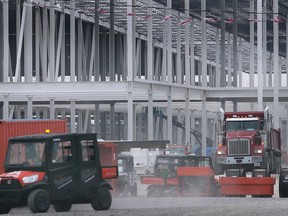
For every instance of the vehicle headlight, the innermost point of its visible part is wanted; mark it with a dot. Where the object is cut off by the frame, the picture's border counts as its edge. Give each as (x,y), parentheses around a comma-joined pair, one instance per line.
(30,179)
(258,151)
(220,152)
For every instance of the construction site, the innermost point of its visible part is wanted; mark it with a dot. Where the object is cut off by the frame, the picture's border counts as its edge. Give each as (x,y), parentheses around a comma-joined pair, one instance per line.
(195,90)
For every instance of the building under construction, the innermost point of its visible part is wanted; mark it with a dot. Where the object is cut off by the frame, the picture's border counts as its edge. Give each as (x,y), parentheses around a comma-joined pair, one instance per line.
(143,69)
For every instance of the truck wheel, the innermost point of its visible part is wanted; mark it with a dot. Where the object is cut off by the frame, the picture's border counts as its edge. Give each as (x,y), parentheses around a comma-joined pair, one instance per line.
(103,200)
(63,206)
(39,201)
(283,184)
(4,209)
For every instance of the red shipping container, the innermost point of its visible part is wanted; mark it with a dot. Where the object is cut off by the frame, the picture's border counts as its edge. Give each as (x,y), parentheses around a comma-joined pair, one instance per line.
(14,128)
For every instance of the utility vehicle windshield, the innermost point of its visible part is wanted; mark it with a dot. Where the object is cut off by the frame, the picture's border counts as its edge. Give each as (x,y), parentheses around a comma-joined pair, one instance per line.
(25,154)
(166,167)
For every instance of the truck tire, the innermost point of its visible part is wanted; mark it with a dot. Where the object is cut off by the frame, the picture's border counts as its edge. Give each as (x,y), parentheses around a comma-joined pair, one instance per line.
(102,201)
(39,201)
(4,209)
(62,206)
(283,183)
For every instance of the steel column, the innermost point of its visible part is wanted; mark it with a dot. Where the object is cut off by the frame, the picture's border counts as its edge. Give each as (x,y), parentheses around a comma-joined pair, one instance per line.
(235,41)
(187,46)
(150,48)
(204,44)
(5,44)
(112,41)
(252,58)
(72,115)
(150,122)
(260,57)
(29,107)
(52,42)
(187,118)
(169,115)
(72,41)
(204,126)
(276,63)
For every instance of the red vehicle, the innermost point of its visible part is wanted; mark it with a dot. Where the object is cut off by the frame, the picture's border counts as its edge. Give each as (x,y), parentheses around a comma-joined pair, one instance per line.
(247,141)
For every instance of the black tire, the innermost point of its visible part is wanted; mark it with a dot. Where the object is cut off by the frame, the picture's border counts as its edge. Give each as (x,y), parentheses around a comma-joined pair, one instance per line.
(4,209)
(63,206)
(283,185)
(39,201)
(103,200)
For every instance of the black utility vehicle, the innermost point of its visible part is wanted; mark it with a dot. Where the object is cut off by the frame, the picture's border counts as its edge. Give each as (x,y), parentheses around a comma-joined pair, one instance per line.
(127,180)
(57,169)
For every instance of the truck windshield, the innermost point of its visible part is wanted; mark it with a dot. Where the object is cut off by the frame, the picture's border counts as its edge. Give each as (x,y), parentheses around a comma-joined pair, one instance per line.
(241,125)
(25,154)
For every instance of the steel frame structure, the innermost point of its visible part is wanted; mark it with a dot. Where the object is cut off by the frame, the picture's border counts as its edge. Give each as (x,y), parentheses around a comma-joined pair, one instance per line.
(109,63)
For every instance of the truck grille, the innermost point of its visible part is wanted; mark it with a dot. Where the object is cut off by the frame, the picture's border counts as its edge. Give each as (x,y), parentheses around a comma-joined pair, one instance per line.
(238,147)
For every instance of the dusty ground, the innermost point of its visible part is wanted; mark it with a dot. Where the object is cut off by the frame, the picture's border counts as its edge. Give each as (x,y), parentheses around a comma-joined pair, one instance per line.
(181,206)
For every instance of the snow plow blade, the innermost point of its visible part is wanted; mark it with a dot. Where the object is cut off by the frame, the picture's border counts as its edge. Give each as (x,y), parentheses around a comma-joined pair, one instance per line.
(197,181)
(151,180)
(257,186)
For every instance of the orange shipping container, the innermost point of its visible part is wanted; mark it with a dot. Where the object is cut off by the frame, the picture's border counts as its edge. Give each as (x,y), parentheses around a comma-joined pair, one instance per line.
(14,128)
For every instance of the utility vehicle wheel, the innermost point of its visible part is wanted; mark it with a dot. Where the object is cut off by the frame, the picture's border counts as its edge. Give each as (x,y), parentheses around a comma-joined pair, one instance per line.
(63,206)
(4,209)
(39,201)
(103,200)
(133,191)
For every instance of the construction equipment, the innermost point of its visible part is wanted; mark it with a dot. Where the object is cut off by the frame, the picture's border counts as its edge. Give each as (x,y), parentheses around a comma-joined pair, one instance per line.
(127,180)
(57,169)
(247,142)
(182,175)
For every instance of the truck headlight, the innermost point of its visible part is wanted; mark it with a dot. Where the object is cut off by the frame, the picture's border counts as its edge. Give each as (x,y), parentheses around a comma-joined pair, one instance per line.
(220,152)
(30,179)
(258,151)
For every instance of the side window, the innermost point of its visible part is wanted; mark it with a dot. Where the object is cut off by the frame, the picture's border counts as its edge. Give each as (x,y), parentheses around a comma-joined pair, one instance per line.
(62,152)
(88,151)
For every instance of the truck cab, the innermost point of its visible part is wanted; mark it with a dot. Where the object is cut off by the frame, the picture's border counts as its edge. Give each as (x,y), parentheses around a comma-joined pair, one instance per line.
(57,169)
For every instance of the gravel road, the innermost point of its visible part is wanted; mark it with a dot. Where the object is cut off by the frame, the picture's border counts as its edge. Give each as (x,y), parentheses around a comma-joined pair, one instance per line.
(180,206)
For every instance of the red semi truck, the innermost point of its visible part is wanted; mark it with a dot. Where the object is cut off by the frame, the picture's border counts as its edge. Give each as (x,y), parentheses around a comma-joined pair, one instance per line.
(13,128)
(247,141)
